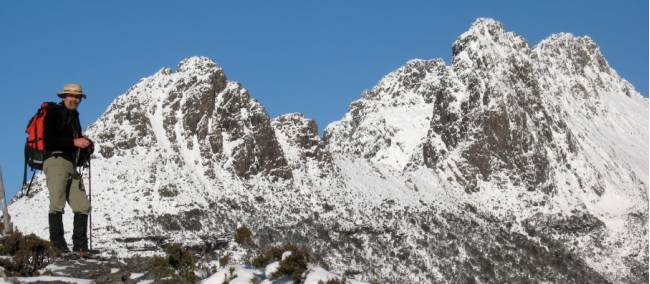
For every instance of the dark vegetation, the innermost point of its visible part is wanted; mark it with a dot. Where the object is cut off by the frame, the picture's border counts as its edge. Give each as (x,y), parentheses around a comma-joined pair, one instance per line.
(30,253)
(294,265)
(178,264)
(243,236)
(224,260)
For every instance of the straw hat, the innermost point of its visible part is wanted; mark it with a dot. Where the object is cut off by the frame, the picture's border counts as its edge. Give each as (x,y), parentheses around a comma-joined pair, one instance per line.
(71,89)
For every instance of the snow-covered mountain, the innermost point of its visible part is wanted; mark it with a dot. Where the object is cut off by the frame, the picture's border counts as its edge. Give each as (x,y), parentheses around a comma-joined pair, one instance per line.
(511,164)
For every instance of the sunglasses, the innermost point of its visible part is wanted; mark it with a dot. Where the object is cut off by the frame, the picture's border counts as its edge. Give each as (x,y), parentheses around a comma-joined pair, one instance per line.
(79,97)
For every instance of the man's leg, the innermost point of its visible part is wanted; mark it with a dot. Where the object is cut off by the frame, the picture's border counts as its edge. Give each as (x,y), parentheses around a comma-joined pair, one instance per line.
(80,204)
(57,171)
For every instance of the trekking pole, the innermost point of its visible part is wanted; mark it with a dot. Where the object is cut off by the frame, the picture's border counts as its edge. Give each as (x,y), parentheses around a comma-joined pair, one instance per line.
(78,175)
(5,212)
(90,200)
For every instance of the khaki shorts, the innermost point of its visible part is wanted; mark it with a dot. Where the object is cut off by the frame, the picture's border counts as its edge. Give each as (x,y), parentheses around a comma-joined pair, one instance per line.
(63,186)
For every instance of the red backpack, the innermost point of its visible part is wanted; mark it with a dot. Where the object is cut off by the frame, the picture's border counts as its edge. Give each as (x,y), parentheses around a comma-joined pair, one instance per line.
(35,146)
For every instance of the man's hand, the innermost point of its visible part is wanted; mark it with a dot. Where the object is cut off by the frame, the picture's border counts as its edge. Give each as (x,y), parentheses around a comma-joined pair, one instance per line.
(81,142)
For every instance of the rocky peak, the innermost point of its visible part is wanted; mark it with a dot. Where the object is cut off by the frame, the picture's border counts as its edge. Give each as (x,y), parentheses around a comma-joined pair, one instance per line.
(388,122)
(198,65)
(303,131)
(490,62)
(195,85)
(574,53)
(577,63)
(301,143)
(595,102)
(243,131)
(485,41)
(407,84)
(498,123)
(194,110)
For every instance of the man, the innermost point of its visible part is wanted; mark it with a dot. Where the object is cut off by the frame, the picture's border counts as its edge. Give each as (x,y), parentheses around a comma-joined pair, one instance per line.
(63,143)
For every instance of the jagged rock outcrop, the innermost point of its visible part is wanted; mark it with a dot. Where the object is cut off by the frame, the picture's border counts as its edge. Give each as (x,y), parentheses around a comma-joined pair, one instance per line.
(498,129)
(302,145)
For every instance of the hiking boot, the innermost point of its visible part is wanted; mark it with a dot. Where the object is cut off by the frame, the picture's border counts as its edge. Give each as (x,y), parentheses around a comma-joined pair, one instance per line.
(55,221)
(88,254)
(80,233)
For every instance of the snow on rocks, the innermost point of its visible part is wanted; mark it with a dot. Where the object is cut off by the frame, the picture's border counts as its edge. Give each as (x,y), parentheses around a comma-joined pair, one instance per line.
(245,274)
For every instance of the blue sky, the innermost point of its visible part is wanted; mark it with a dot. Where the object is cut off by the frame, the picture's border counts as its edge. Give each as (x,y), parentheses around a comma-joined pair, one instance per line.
(313,57)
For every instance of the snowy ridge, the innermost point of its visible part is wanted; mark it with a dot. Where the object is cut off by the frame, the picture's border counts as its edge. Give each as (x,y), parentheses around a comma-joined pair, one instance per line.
(388,122)
(500,167)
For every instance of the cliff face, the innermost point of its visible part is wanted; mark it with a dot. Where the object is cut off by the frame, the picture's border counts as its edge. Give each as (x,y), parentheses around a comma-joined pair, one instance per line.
(512,164)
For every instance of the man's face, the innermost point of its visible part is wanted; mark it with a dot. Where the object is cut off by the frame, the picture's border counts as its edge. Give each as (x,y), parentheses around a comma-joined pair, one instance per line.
(71,102)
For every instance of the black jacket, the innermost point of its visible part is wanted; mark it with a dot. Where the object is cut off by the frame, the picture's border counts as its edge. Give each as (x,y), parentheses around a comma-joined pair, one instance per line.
(61,128)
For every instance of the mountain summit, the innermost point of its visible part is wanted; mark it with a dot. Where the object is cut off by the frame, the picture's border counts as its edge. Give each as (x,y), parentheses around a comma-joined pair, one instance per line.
(511,164)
